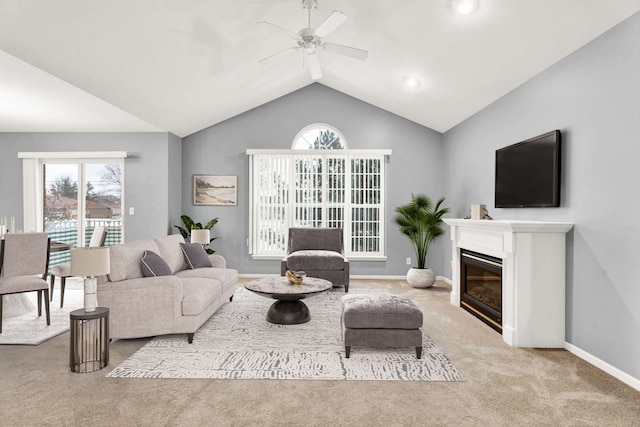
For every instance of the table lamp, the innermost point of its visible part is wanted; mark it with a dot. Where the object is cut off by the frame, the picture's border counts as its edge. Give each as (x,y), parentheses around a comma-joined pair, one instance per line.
(89,263)
(200,236)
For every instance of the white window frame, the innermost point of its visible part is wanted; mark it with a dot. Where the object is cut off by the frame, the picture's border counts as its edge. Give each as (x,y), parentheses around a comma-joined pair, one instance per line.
(319,126)
(32,179)
(289,157)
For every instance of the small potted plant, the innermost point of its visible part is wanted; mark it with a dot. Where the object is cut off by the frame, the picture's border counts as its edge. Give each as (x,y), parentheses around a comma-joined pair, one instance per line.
(190,224)
(421,221)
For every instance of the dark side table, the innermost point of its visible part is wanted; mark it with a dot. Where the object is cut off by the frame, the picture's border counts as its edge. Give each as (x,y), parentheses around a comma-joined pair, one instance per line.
(89,340)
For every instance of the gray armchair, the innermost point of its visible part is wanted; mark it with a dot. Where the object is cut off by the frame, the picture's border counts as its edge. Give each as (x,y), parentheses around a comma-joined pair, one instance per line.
(319,252)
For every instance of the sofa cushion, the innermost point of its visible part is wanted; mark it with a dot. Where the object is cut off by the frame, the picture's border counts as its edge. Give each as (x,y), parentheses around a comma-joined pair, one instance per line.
(195,255)
(125,259)
(227,276)
(153,265)
(169,247)
(198,294)
(315,260)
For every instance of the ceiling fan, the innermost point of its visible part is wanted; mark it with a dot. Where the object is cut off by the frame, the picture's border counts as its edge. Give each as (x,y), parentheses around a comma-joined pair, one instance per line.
(310,40)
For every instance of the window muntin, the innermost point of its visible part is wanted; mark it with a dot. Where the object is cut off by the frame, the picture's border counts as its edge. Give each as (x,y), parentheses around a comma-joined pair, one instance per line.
(319,136)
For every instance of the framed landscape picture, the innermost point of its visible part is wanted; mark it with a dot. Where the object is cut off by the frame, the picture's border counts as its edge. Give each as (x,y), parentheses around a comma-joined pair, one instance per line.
(218,190)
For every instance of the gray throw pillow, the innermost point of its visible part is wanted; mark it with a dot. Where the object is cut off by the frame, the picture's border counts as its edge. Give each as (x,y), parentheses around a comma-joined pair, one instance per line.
(195,255)
(153,265)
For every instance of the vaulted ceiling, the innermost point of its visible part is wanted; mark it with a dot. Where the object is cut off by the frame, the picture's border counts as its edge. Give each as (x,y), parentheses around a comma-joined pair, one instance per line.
(181,66)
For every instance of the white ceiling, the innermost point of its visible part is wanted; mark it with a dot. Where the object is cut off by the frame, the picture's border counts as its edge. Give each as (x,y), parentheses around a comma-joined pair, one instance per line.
(181,66)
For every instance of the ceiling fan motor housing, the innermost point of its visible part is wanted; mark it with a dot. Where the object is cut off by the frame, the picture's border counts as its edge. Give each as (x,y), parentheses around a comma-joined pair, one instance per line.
(309,4)
(308,40)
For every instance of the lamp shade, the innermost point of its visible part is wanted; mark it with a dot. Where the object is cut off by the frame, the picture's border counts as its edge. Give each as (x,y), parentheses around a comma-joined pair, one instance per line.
(200,236)
(90,262)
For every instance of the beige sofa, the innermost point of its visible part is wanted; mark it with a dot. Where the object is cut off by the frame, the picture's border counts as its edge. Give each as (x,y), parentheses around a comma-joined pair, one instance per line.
(178,303)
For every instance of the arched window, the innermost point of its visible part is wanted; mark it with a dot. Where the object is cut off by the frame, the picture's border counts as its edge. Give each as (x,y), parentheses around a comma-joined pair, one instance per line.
(319,136)
(318,183)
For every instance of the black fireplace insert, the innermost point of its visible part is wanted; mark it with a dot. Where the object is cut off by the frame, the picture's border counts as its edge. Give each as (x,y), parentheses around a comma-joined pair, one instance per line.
(481,287)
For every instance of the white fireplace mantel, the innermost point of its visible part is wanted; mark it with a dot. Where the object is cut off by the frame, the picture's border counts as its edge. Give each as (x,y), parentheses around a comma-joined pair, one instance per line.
(533,275)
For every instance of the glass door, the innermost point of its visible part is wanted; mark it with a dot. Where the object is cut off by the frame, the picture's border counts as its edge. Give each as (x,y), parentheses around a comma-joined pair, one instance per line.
(78,197)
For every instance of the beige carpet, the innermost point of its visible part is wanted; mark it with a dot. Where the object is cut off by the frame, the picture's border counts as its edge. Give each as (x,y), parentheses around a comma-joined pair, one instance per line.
(31,329)
(504,387)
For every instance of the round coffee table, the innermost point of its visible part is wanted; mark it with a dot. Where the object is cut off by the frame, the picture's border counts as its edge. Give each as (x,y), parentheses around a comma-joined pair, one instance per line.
(288,309)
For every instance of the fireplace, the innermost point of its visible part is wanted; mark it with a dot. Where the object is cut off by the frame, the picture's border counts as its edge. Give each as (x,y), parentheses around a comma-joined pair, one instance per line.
(481,287)
(533,275)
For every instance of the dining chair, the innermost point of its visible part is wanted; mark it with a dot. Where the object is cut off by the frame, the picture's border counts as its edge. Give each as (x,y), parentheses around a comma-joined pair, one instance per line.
(24,261)
(63,271)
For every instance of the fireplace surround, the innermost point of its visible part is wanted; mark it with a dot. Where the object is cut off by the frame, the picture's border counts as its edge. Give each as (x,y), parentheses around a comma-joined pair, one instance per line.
(532,254)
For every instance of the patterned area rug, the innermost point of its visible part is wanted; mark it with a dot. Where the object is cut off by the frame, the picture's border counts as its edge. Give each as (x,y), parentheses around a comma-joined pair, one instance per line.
(238,343)
(30,329)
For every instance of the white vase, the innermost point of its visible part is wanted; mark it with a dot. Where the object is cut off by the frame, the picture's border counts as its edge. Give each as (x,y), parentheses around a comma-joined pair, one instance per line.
(421,277)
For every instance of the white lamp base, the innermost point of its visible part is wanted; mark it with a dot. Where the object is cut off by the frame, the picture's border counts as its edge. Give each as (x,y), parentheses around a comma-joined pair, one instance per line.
(90,294)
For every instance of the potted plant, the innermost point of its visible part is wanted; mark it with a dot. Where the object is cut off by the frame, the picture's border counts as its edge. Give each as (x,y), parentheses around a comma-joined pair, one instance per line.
(421,221)
(190,224)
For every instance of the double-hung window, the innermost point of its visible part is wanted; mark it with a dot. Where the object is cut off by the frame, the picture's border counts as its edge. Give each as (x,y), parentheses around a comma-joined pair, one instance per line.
(317,187)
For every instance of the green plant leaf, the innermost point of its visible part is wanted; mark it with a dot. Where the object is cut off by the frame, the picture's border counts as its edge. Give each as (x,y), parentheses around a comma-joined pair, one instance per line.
(190,224)
(421,222)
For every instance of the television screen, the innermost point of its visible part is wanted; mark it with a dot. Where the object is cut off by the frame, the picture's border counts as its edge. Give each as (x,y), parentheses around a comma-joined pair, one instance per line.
(528,173)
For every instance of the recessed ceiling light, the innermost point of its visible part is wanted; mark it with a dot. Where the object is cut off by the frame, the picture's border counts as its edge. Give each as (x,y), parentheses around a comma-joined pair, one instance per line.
(465,7)
(410,81)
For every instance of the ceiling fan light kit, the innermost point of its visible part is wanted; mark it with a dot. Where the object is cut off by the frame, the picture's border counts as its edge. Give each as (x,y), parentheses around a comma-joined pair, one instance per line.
(465,7)
(310,40)
(411,81)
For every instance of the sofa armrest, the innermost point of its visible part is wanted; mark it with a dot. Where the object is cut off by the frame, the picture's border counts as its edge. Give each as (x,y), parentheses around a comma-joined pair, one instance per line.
(218,261)
(142,307)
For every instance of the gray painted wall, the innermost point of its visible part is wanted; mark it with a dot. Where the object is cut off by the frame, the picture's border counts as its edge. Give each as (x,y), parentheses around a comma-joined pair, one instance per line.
(174,175)
(593,97)
(415,166)
(146,173)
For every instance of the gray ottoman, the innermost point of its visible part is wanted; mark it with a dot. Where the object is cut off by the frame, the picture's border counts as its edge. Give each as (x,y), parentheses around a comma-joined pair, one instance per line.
(381,321)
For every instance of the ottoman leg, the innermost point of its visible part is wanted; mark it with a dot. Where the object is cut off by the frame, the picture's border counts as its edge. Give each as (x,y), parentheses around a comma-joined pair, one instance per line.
(347,350)
(418,352)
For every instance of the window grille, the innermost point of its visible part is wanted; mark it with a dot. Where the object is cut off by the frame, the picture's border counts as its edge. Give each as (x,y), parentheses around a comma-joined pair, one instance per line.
(317,188)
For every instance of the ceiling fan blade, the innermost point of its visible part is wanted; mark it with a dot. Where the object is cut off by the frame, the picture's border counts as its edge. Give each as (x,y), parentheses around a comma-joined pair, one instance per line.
(279,30)
(314,66)
(278,55)
(331,23)
(353,52)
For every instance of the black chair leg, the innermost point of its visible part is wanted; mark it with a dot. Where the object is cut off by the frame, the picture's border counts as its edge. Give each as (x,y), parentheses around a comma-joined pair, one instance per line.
(39,303)
(347,350)
(418,352)
(63,282)
(1,298)
(53,283)
(190,338)
(46,305)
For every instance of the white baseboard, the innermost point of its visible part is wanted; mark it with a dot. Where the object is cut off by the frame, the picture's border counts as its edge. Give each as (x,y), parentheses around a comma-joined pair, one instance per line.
(601,364)
(445,279)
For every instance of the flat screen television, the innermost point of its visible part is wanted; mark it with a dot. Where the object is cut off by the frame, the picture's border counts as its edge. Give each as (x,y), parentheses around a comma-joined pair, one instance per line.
(528,173)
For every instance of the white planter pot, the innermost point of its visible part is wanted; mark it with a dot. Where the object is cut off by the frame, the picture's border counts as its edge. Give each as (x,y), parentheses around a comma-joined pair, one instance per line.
(421,277)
